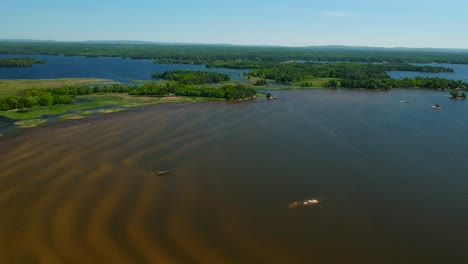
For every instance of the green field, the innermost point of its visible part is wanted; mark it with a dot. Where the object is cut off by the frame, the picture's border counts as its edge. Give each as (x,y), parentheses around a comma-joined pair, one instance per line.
(11,87)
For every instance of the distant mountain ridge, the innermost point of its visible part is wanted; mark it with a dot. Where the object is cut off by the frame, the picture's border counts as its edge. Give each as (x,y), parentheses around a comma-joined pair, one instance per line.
(324,47)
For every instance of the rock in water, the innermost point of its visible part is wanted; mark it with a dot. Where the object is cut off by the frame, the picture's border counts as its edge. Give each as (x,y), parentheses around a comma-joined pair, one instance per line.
(161,173)
(304,203)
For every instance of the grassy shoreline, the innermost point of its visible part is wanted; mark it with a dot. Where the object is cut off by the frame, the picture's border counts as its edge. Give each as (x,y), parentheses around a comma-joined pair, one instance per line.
(84,104)
(116,101)
(96,103)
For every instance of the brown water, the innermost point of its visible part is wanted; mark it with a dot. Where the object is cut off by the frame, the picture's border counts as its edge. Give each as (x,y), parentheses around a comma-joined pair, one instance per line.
(390,177)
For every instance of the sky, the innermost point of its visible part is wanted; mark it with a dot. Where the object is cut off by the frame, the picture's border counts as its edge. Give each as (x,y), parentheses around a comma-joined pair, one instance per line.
(393,23)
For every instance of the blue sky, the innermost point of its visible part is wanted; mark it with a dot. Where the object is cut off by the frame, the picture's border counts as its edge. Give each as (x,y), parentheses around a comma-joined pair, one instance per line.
(396,23)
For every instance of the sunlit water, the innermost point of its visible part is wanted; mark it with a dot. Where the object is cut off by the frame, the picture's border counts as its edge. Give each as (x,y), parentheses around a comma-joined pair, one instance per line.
(390,178)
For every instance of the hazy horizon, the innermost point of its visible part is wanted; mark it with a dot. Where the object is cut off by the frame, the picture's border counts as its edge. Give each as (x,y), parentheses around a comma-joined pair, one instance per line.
(364,23)
(136,42)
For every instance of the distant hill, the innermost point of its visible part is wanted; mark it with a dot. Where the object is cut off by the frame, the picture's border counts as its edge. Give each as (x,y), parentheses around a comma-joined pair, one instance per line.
(26,40)
(213,54)
(324,47)
(366,48)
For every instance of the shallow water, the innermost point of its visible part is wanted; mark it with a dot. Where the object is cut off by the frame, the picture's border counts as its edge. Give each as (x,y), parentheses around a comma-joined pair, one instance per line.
(390,178)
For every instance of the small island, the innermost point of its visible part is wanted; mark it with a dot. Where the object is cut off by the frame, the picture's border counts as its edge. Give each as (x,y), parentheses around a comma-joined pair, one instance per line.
(455,94)
(352,75)
(20,62)
(192,77)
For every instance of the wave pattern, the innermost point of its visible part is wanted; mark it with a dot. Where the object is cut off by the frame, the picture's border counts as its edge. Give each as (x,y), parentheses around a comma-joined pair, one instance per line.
(84,192)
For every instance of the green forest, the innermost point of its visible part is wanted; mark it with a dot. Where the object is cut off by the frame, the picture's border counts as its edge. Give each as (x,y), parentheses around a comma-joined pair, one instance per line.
(296,72)
(235,56)
(228,92)
(357,75)
(19,62)
(389,83)
(192,77)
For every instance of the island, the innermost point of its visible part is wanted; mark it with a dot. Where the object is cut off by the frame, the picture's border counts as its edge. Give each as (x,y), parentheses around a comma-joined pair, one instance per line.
(456,94)
(353,75)
(192,77)
(20,62)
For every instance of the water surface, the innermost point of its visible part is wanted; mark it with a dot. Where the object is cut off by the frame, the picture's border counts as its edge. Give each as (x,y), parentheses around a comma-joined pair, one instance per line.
(391,179)
(461,72)
(117,69)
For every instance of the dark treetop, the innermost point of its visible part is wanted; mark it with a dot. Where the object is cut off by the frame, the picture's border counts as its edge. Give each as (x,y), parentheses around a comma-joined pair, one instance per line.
(234,56)
(192,77)
(19,62)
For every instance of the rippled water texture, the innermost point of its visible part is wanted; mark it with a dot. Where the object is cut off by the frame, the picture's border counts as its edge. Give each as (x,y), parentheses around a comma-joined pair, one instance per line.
(390,177)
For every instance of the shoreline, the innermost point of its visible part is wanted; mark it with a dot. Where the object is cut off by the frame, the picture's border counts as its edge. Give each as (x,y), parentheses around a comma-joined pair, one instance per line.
(104,105)
(9,87)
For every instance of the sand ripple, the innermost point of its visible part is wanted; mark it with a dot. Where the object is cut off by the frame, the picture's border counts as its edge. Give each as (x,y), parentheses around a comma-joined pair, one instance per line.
(85,193)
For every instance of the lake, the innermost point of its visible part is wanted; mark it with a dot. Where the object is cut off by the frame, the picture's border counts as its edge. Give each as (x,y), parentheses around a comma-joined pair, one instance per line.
(461,72)
(121,70)
(125,70)
(390,178)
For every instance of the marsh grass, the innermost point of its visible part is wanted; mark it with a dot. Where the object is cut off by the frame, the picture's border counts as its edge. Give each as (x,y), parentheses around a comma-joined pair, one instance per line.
(87,102)
(71,117)
(30,123)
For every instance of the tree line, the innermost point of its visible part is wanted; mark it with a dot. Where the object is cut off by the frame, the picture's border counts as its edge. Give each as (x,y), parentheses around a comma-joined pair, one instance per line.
(58,95)
(389,83)
(66,95)
(228,92)
(357,75)
(297,72)
(42,99)
(19,62)
(247,57)
(192,77)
